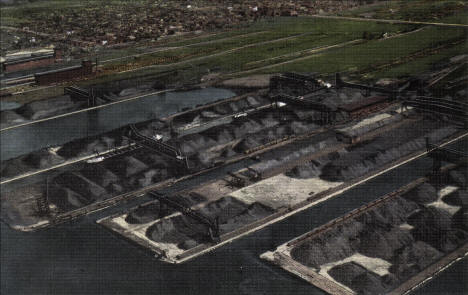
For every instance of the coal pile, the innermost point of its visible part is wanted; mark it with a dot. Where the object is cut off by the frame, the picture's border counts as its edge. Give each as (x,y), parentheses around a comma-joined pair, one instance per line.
(67,199)
(49,107)
(42,159)
(384,149)
(155,210)
(360,279)
(218,143)
(36,160)
(39,109)
(10,117)
(219,110)
(91,145)
(144,214)
(48,157)
(187,232)
(14,167)
(99,181)
(409,231)
(118,172)
(305,171)
(302,171)
(82,185)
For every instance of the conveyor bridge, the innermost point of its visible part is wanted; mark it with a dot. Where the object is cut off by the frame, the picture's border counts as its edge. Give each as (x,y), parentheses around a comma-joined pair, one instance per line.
(439,154)
(81,94)
(212,225)
(158,146)
(327,114)
(289,79)
(339,83)
(457,110)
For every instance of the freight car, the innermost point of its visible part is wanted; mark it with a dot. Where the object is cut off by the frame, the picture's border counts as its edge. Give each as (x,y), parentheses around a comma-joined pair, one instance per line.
(65,74)
(30,60)
(364,106)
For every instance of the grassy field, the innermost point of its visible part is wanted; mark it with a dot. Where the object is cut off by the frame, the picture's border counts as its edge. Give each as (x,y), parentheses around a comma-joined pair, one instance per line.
(305,33)
(367,54)
(290,44)
(245,52)
(418,65)
(445,11)
(374,52)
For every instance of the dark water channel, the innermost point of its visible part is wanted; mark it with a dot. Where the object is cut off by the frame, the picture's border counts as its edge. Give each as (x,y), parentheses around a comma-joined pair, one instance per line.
(84,258)
(18,141)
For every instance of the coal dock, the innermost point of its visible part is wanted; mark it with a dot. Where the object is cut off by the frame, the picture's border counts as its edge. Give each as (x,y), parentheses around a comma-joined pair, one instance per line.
(295,144)
(390,246)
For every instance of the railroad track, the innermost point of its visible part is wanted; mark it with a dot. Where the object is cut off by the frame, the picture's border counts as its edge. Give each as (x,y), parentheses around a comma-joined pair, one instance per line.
(18,81)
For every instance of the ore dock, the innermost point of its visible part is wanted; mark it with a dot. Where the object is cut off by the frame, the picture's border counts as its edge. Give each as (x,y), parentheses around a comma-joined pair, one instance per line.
(234,148)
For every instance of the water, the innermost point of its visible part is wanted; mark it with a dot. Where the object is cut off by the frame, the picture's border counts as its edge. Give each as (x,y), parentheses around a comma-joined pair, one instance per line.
(84,258)
(8,105)
(22,140)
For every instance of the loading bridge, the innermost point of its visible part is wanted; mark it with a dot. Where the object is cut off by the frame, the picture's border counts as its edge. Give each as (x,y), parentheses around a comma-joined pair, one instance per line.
(212,225)
(158,146)
(81,94)
(289,79)
(327,115)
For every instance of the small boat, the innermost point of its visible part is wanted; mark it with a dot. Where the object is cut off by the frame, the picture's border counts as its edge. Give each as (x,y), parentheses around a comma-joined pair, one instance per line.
(95,160)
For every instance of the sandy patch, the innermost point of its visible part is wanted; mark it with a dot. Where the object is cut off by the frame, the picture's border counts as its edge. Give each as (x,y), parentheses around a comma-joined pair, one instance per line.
(406,226)
(376,265)
(441,204)
(171,250)
(282,191)
(366,122)
(255,81)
